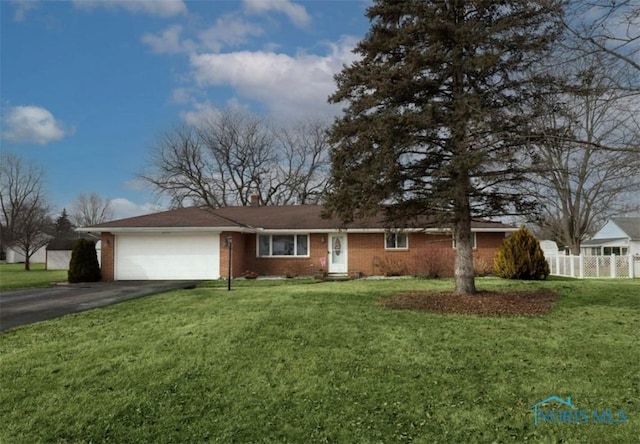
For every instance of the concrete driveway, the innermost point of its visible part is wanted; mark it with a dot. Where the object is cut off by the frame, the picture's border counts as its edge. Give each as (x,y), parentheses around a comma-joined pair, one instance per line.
(22,307)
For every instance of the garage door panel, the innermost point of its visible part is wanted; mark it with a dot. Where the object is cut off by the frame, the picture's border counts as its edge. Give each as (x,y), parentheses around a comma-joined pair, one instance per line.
(167,256)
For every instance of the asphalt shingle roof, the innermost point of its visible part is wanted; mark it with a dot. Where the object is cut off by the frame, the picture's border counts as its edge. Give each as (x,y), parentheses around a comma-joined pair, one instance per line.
(630,225)
(66,241)
(191,217)
(272,217)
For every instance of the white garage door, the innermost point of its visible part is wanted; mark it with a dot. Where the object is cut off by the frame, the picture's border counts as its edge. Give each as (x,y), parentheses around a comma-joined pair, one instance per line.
(167,256)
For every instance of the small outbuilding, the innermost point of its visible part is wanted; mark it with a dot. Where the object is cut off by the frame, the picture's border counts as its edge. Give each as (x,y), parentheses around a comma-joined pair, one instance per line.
(15,255)
(58,251)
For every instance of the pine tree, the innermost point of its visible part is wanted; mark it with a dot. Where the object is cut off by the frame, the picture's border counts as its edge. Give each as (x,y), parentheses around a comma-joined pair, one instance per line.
(63,225)
(520,257)
(437,113)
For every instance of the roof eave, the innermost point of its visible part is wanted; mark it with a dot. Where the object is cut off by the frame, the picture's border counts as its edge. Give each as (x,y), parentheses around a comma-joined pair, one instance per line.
(281,230)
(163,229)
(380,230)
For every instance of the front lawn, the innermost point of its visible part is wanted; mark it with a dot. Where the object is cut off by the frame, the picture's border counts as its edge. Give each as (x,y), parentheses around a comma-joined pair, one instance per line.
(324,362)
(13,276)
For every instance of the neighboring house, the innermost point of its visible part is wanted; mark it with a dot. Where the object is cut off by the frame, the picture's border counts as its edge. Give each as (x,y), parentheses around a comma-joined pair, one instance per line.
(60,248)
(619,236)
(194,243)
(15,255)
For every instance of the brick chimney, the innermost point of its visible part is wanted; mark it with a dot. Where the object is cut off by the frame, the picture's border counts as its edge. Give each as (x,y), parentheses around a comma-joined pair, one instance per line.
(255,200)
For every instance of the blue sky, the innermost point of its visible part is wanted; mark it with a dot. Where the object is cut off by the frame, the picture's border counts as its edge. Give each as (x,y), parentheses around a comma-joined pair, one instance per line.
(86,87)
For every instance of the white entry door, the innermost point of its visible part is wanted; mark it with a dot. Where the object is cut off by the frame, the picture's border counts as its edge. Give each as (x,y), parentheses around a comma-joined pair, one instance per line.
(338,262)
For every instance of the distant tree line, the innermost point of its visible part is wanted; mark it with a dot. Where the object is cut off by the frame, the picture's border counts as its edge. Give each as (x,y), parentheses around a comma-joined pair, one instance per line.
(26,217)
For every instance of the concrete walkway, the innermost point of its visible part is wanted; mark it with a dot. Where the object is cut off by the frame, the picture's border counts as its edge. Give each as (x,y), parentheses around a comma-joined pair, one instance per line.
(22,307)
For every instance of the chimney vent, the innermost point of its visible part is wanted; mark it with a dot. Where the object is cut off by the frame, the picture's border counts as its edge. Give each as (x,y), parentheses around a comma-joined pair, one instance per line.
(255,200)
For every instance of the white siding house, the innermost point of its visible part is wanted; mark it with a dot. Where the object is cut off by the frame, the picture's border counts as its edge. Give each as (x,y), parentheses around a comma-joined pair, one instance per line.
(619,236)
(15,255)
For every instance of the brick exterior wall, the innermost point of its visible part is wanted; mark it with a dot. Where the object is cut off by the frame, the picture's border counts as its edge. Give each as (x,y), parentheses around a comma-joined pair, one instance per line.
(239,253)
(366,254)
(244,258)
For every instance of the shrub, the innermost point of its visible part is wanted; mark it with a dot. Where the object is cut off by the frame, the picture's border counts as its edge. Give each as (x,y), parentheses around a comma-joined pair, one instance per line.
(391,267)
(433,263)
(84,262)
(520,257)
(250,274)
(482,266)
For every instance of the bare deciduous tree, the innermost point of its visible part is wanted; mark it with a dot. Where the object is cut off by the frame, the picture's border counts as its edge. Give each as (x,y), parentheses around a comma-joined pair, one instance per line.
(25,211)
(606,26)
(590,158)
(306,162)
(90,209)
(234,156)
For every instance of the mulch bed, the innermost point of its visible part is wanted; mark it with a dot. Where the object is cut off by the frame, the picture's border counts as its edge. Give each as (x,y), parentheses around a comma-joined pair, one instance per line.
(484,303)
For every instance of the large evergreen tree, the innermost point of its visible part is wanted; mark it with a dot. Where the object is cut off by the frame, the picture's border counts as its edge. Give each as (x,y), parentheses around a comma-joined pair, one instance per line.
(63,225)
(437,112)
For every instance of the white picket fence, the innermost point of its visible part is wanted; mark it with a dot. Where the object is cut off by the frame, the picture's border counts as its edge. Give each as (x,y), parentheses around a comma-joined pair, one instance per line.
(595,266)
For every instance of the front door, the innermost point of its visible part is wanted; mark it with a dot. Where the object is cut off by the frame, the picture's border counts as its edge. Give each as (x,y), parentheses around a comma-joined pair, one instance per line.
(338,253)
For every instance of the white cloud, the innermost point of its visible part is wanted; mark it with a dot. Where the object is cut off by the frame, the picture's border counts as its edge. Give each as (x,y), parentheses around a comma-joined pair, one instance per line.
(201,113)
(296,13)
(123,208)
(168,42)
(181,95)
(288,85)
(227,31)
(22,7)
(160,8)
(206,112)
(32,124)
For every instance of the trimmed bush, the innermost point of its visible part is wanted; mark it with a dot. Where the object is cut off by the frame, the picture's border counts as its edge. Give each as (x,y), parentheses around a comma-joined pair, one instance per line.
(84,265)
(434,262)
(520,257)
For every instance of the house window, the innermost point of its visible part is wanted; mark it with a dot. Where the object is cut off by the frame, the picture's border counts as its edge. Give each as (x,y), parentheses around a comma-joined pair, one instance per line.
(473,241)
(283,245)
(618,251)
(396,241)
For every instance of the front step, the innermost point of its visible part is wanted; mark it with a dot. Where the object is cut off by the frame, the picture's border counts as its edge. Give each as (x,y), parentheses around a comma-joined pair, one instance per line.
(333,277)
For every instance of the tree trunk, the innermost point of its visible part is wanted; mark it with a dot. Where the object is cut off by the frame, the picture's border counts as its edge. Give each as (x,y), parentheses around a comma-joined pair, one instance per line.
(27,262)
(574,247)
(463,270)
(464,275)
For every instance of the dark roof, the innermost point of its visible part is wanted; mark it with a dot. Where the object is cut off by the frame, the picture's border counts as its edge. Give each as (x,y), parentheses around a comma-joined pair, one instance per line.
(191,217)
(283,217)
(65,242)
(630,225)
(270,217)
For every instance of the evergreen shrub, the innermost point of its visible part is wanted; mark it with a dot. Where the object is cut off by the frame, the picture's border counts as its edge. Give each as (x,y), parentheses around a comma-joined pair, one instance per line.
(520,257)
(84,265)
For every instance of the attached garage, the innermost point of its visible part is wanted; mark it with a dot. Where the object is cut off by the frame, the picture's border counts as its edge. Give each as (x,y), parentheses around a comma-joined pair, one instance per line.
(167,256)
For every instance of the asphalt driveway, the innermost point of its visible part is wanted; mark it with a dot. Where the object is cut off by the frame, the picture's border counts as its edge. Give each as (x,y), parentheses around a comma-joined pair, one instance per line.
(22,307)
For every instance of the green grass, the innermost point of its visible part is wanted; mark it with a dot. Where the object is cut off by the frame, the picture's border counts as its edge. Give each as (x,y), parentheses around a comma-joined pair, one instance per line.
(305,362)
(13,276)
